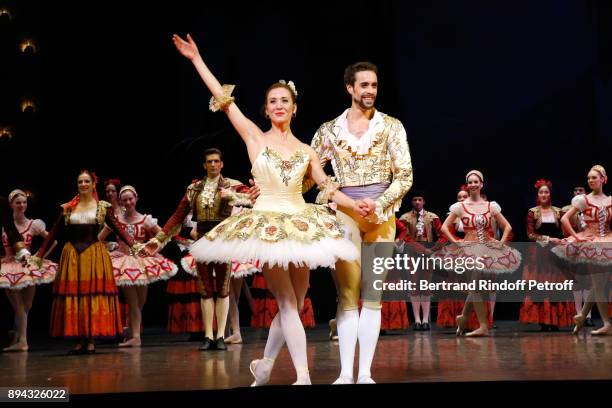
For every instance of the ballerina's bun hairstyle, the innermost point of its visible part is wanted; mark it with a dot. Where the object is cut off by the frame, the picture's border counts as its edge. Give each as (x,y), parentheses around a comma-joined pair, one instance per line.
(600,169)
(16,193)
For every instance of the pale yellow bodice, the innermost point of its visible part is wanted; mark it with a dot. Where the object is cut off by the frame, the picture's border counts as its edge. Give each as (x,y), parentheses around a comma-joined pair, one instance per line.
(280,181)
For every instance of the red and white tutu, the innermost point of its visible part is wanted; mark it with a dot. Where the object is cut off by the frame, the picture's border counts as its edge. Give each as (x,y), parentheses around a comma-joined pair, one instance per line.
(13,274)
(598,251)
(131,270)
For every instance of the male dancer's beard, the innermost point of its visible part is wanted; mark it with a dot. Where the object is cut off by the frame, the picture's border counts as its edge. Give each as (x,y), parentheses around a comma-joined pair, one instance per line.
(362,104)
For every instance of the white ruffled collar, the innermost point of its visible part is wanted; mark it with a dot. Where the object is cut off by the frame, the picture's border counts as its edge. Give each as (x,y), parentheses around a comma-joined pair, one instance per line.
(361,145)
(209,191)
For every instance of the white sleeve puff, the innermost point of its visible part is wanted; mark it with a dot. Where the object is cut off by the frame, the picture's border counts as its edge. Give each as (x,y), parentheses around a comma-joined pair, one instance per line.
(456,209)
(579,202)
(150,222)
(38,227)
(495,208)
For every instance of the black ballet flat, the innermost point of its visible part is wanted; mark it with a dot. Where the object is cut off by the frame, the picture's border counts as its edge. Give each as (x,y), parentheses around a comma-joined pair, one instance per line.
(220,344)
(425,327)
(207,345)
(417,327)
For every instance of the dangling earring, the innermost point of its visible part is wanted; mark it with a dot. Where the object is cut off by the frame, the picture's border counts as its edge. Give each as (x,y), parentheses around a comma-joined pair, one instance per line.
(267,116)
(294,114)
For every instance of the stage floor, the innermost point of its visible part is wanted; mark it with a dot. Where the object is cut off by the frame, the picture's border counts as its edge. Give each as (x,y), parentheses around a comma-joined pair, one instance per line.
(170,363)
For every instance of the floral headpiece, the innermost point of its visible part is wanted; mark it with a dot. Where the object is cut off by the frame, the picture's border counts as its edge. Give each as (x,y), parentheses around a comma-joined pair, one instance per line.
(291,86)
(543,182)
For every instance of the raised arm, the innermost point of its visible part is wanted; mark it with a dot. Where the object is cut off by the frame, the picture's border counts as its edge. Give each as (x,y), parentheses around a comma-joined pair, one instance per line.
(249,132)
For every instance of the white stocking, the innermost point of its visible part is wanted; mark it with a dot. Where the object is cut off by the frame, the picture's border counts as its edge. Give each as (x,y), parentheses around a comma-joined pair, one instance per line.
(367,333)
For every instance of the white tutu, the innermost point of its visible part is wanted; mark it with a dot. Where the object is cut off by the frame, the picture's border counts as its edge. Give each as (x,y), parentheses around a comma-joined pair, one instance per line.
(323,253)
(281,229)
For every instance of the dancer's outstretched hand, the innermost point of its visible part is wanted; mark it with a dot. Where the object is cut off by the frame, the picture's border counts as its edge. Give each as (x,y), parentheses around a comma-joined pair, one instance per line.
(188,48)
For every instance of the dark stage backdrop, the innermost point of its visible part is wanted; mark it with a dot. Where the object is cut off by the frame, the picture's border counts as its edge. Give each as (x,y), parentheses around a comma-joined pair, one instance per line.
(520,90)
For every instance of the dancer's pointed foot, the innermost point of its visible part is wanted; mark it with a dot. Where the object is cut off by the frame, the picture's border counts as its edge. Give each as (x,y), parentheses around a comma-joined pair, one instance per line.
(333,330)
(460,325)
(133,342)
(261,370)
(606,330)
(303,376)
(579,320)
(343,381)
(365,379)
(235,338)
(17,347)
(479,332)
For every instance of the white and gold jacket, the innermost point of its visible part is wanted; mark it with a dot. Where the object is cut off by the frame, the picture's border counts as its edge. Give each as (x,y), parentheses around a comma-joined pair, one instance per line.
(381,155)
